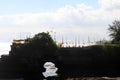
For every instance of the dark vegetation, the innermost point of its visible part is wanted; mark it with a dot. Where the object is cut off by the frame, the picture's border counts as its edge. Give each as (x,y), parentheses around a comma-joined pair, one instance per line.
(114,30)
(92,61)
(25,60)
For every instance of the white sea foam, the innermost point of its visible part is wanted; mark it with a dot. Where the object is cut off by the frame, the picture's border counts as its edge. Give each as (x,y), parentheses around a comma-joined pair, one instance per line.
(50,69)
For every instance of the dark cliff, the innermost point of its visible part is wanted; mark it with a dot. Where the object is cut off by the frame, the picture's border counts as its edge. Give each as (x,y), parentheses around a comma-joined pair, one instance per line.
(27,59)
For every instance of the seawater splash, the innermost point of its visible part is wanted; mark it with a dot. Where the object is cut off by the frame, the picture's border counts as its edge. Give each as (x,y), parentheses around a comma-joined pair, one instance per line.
(50,70)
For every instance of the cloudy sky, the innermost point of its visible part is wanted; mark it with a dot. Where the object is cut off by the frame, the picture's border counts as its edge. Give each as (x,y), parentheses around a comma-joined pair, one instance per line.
(64,18)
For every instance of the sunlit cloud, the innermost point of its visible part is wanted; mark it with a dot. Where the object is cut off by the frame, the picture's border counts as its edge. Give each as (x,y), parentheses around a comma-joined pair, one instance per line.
(67,20)
(110,4)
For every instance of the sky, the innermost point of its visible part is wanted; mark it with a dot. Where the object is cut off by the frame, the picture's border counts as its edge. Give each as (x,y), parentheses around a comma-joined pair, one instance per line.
(69,19)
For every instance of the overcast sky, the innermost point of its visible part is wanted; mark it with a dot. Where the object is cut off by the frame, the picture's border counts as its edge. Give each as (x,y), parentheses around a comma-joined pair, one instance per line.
(67,18)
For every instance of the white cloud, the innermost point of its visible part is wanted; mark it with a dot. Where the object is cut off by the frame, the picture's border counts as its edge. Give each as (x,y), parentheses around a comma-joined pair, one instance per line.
(110,4)
(79,19)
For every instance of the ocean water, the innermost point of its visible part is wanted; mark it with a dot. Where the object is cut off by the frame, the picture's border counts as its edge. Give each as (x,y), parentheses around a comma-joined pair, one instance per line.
(4,48)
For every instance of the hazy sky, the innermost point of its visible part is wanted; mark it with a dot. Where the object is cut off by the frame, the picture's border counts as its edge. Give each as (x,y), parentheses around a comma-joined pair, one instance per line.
(67,18)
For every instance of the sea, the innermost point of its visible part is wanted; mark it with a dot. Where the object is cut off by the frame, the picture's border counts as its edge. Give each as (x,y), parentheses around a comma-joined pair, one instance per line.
(5,48)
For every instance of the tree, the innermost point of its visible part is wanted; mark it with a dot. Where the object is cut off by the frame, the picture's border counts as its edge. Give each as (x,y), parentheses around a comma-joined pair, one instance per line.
(42,41)
(114,30)
(40,46)
(34,53)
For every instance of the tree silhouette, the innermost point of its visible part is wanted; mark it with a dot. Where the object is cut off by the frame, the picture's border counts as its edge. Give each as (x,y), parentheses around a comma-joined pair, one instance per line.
(114,30)
(34,53)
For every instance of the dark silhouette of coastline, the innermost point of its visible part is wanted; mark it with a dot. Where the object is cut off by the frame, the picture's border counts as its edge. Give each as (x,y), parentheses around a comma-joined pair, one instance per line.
(26,60)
